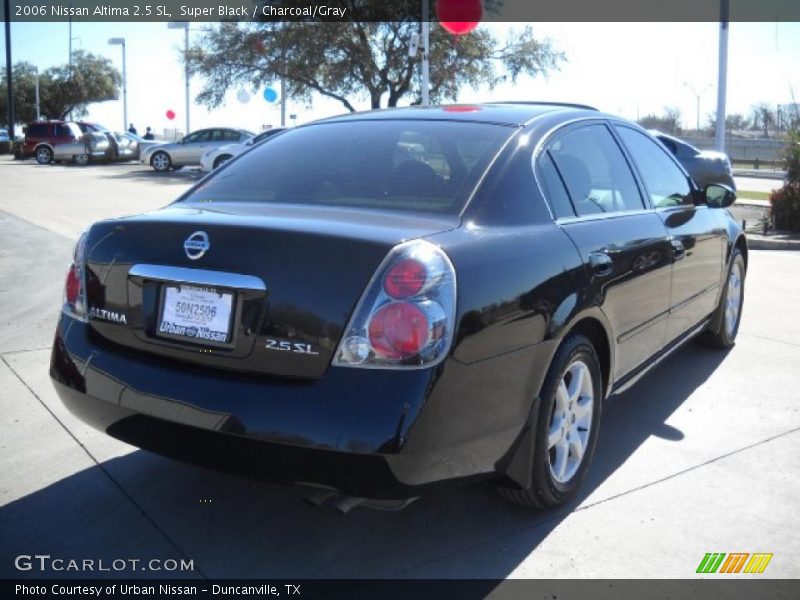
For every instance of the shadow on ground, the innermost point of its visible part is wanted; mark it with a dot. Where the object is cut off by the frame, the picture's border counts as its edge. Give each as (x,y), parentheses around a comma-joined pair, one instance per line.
(232,527)
(182,176)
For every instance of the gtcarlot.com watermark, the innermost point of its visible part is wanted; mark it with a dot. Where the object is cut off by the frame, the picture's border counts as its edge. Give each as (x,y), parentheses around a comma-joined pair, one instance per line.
(45,563)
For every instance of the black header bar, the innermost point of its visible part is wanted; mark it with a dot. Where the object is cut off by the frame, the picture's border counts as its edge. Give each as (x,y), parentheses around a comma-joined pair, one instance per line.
(528,11)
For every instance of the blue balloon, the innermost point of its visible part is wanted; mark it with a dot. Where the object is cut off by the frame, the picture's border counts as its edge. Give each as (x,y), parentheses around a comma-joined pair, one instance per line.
(270,95)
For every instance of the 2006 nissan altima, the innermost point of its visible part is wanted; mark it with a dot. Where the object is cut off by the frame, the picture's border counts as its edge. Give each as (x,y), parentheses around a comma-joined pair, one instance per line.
(381,303)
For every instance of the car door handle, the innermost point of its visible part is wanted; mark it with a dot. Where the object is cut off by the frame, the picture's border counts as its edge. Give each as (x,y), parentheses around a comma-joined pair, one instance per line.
(602,264)
(678,250)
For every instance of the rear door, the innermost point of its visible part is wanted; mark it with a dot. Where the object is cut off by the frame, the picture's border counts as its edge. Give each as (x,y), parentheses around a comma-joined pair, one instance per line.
(596,200)
(696,234)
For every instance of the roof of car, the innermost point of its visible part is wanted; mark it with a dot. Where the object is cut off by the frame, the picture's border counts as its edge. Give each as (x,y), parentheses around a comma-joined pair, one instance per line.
(505,113)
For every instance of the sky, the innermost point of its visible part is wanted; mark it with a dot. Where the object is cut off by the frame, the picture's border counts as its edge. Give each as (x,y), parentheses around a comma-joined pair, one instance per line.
(630,69)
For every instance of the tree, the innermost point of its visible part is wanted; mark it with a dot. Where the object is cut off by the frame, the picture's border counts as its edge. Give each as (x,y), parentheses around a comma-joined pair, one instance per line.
(62,89)
(668,122)
(350,60)
(733,122)
(762,117)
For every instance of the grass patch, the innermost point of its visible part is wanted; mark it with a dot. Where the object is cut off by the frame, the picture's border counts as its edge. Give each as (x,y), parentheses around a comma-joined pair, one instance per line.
(749,195)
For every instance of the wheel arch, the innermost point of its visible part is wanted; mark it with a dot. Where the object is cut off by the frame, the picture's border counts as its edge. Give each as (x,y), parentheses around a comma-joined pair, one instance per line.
(597,333)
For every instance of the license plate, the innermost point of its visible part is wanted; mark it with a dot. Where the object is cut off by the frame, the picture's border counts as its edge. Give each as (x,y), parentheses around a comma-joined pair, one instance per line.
(195,313)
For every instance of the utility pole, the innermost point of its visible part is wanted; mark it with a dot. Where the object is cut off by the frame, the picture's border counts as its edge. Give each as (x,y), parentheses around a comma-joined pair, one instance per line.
(426,43)
(38,108)
(9,74)
(722,81)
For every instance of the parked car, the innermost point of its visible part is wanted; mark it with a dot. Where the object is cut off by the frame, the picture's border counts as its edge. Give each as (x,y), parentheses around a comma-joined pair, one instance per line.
(327,311)
(216,157)
(705,166)
(5,142)
(42,136)
(96,145)
(189,150)
(141,143)
(90,145)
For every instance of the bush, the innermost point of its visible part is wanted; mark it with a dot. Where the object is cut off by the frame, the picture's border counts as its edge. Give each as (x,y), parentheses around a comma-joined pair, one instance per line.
(786,207)
(786,200)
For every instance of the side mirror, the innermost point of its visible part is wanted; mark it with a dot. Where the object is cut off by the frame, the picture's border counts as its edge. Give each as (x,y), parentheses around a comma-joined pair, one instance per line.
(717,195)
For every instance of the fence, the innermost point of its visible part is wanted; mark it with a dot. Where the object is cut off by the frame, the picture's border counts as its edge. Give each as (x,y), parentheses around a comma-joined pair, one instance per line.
(744,150)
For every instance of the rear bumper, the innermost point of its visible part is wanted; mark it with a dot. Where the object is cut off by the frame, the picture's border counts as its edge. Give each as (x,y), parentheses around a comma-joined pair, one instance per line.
(366,433)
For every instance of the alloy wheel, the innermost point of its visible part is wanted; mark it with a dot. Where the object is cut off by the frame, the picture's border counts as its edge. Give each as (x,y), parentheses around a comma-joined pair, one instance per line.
(733,298)
(571,422)
(161,161)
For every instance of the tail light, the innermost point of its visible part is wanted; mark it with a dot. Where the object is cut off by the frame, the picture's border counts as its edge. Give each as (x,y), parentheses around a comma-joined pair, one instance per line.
(75,286)
(406,316)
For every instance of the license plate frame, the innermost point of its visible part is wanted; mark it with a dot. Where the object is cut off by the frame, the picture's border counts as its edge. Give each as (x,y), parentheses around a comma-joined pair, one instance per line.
(201,295)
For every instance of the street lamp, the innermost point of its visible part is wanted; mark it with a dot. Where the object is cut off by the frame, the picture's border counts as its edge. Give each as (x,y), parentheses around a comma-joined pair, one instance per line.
(697,96)
(185,26)
(118,41)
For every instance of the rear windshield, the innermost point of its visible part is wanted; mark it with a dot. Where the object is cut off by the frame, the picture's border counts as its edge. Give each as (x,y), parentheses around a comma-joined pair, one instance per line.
(429,166)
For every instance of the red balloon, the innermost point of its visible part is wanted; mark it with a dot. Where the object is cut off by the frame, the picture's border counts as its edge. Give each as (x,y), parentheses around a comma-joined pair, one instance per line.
(170,114)
(459,16)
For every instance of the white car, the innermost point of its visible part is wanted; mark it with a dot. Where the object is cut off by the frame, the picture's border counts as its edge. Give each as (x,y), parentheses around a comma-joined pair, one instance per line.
(216,157)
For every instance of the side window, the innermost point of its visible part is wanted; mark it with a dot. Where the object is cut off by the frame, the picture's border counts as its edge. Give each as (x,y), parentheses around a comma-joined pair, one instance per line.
(198,137)
(665,182)
(595,171)
(36,130)
(554,189)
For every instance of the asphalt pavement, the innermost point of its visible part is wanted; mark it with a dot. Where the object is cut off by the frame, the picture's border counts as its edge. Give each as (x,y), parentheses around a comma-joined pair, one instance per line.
(700,456)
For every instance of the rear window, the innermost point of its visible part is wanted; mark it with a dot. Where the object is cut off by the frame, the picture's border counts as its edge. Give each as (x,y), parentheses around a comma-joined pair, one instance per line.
(429,166)
(37,129)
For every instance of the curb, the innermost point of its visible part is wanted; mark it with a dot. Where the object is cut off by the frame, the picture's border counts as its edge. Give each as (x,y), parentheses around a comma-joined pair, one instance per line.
(759,174)
(768,244)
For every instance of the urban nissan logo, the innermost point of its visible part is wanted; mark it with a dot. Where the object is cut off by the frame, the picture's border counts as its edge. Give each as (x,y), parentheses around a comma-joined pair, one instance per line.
(196,245)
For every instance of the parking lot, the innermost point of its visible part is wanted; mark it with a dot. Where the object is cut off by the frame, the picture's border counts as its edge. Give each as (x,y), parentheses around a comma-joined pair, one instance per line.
(700,456)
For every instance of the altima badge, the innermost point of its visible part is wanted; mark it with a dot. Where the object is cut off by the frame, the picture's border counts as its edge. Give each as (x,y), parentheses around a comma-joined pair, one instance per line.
(196,245)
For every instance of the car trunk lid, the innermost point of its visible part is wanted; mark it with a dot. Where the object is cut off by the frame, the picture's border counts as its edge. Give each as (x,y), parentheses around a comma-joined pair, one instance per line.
(249,287)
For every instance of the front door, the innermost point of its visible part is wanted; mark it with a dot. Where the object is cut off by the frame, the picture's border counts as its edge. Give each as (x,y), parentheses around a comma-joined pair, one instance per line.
(696,235)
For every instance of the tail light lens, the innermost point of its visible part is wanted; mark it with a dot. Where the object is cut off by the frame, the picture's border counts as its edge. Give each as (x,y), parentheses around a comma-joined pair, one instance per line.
(405,318)
(75,286)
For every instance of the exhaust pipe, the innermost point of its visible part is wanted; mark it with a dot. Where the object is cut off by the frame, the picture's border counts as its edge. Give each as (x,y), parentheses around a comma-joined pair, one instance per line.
(343,504)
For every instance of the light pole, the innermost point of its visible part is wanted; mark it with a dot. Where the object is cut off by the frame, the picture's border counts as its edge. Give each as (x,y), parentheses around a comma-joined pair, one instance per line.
(697,97)
(185,26)
(9,74)
(119,41)
(722,76)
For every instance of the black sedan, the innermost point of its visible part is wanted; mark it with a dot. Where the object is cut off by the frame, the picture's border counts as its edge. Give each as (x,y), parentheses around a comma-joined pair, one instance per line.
(382,303)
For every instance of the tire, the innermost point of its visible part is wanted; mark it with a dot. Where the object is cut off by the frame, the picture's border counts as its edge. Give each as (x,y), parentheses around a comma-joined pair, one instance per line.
(221,160)
(728,314)
(81,159)
(161,161)
(557,473)
(44,155)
